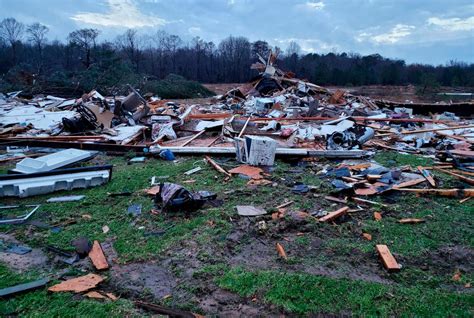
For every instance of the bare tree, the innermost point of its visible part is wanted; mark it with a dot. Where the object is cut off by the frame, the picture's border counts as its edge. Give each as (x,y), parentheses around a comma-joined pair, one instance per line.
(293,48)
(12,32)
(86,40)
(37,36)
(131,44)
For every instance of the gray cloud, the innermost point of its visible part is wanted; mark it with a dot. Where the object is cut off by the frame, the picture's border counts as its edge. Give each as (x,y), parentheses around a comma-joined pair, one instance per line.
(430,31)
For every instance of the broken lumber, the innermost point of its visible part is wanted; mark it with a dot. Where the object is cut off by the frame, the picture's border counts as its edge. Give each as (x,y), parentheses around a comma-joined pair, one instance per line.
(464,200)
(387,258)
(427,176)
(410,221)
(97,256)
(409,132)
(77,285)
(243,128)
(216,166)
(17,289)
(408,183)
(334,215)
(281,251)
(192,138)
(462,193)
(284,205)
(460,177)
(368,201)
(330,198)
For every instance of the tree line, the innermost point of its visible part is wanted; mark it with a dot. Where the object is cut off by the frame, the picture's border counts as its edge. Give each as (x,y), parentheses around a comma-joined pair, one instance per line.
(29,60)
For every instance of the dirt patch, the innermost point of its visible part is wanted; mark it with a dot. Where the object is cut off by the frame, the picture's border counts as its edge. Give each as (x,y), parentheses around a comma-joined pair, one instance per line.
(35,259)
(446,260)
(143,278)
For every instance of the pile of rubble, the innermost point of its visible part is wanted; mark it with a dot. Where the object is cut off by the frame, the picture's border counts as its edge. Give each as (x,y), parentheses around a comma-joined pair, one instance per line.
(275,114)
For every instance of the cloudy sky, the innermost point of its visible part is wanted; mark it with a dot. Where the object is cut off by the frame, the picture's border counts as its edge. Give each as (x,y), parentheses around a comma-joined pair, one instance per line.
(426,31)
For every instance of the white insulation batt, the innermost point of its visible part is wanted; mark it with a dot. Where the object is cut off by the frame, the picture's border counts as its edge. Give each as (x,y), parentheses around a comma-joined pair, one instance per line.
(29,114)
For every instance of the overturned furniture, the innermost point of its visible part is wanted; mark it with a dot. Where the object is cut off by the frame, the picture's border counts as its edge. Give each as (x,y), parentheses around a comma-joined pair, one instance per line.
(256,150)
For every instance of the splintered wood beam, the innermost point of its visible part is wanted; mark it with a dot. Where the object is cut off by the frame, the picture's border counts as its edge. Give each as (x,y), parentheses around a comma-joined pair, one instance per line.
(460,177)
(387,258)
(408,183)
(192,138)
(216,166)
(462,193)
(243,128)
(427,176)
(334,215)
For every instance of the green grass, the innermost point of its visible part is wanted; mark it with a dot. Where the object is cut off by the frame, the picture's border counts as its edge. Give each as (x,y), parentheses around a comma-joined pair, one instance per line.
(391,159)
(306,294)
(412,292)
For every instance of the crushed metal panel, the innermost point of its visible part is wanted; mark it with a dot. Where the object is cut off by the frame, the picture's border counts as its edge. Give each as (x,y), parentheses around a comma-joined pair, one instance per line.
(41,183)
(19,219)
(52,161)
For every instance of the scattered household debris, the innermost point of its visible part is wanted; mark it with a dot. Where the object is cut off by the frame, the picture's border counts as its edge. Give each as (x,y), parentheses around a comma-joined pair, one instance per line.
(281,251)
(248,210)
(275,115)
(67,198)
(387,258)
(78,285)
(21,288)
(174,198)
(97,256)
(18,219)
(134,209)
(52,161)
(24,185)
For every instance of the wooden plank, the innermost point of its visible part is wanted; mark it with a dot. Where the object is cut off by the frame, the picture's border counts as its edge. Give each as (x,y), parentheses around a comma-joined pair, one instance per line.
(97,256)
(281,251)
(284,205)
(11,291)
(387,258)
(373,177)
(368,201)
(360,166)
(409,183)
(216,166)
(77,285)
(192,138)
(460,177)
(330,198)
(427,176)
(462,193)
(243,128)
(409,132)
(464,200)
(410,221)
(334,215)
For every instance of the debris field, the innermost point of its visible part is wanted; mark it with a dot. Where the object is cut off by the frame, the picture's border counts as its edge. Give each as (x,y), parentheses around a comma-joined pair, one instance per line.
(277,197)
